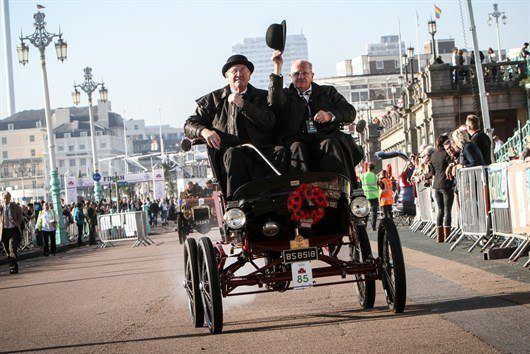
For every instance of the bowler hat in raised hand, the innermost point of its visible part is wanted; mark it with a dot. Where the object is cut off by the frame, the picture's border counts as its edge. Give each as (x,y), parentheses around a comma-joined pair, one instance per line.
(276,35)
(237,59)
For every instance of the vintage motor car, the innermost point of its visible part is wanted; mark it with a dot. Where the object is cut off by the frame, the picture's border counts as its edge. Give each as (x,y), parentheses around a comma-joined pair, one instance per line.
(195,214)
(291,231)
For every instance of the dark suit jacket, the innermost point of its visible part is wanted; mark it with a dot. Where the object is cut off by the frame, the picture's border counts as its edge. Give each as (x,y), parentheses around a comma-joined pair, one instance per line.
(16,215)
(291,112)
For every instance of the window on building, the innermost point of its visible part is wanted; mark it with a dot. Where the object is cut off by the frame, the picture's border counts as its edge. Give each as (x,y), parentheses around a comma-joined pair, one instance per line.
(99,133)
(67,135)
(38,124)
(136,127)
(33,167)
(4,140)
(32,152)
(83,162)
(61,163)
(60,148)
(84,134)
(379,64)
(72,162)
(11,126)
(103,145)
(71,147)
(32,138)
(6,171)
(4,154)
(81,146)
(33,184)
(397,64)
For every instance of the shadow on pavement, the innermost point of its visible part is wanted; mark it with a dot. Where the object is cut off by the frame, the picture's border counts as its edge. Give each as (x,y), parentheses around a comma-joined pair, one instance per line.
(326,318)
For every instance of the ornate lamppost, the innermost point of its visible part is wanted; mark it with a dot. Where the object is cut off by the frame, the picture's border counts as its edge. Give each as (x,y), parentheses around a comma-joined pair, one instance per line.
(89,86)
(495,15)
(431,25)
(410,53)
(41,39)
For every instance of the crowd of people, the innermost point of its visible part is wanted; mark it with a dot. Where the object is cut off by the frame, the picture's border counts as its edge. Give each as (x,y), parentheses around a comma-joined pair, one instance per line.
(436,167)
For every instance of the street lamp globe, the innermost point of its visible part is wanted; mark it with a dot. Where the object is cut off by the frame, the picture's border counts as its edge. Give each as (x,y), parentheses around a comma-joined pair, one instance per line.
(489,20)
(393,89)
(23,53)
(410,52)
(76,96)
(432,27)
(504,19)
(103,93)
(61,48)
(405,59)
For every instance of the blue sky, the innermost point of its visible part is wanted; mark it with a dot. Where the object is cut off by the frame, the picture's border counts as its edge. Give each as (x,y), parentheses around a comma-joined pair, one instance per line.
(168,53)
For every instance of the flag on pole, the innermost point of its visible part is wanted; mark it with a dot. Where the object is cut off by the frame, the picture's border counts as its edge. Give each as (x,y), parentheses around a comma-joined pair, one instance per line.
(437,11)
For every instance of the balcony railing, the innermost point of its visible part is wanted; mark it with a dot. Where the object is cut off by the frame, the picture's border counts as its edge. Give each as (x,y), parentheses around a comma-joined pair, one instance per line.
(496,75)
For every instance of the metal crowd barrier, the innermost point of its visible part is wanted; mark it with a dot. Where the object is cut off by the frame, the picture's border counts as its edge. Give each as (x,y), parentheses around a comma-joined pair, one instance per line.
(28,237)
(473,198)
(128,226)
(425,215)
(492,207)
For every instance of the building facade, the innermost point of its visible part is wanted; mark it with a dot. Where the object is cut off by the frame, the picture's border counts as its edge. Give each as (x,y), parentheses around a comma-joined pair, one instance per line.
(256,50)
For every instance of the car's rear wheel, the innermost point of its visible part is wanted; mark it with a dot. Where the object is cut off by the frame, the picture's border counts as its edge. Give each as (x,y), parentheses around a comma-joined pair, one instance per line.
(393,265)
(210,286)
(191,283)
(361,252)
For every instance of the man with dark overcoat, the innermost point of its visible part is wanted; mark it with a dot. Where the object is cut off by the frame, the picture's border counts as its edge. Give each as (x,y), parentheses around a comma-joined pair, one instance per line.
(10,234)
(233,115)
(309,118)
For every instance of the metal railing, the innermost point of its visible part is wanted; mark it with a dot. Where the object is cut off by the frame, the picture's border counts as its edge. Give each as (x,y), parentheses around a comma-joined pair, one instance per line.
(514,145)
(129,226)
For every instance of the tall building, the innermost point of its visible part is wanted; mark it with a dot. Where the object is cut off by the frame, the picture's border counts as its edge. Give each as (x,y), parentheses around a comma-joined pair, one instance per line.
(256,50)
(389,45)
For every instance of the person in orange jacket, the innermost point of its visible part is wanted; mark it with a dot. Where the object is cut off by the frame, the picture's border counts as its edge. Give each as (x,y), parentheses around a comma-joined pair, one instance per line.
(386,194)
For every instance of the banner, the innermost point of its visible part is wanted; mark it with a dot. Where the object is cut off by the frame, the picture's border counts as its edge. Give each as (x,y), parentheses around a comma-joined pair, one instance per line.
(70,189)
(498,186)
(159,189)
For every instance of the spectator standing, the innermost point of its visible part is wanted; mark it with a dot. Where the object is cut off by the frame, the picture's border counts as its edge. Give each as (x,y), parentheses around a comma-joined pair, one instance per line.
(47,224)
(369,185)
(10,235)
(386,194)
(153,213)
(524,51)
(497,143)
(478,137)
(164,206)
(92,218)
(443,188)
(470,155)
(79,218)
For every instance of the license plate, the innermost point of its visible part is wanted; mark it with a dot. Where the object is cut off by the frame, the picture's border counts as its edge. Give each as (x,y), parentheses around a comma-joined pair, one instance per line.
(202,222)
(300,255)
(302,275)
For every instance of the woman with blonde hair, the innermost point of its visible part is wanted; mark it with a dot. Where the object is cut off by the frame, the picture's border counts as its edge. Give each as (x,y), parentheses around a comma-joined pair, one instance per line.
(470,155)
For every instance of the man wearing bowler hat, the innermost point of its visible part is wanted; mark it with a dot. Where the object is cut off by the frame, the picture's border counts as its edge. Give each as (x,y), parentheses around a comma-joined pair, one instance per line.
(309,116)
(233,115)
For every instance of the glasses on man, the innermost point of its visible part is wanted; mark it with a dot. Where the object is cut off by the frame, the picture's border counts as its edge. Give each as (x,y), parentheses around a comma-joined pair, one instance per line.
(241,71)
(301,73)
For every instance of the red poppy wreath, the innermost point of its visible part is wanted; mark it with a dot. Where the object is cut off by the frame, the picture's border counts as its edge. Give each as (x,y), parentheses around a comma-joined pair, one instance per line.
(307,202)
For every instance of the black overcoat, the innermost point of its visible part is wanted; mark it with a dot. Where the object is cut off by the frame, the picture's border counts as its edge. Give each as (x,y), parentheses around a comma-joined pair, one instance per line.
(214,112)
(291,111)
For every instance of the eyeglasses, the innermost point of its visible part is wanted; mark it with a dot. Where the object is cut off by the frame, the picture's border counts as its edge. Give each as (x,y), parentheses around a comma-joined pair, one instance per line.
(303,73)
(241,71)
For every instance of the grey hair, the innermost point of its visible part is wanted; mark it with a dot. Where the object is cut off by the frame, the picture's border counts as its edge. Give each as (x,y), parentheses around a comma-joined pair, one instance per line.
(6,193)
(460,137)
